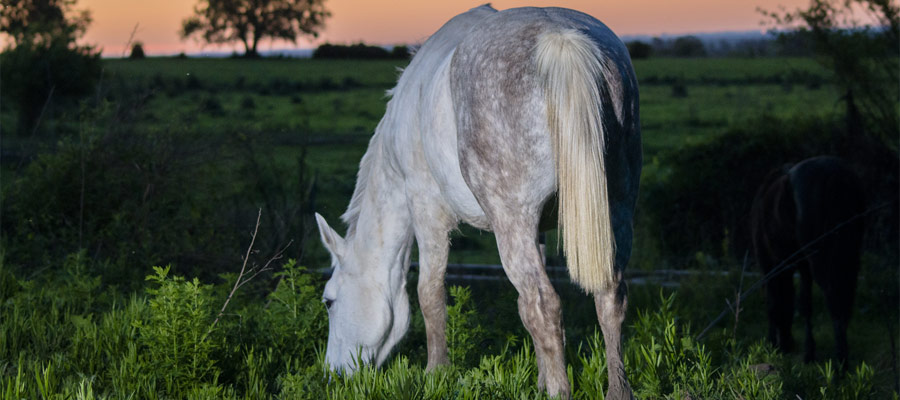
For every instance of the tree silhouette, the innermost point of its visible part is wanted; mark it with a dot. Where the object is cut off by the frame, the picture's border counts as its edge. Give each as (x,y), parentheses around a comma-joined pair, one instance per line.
(42,21)
(638,49)
(859,41)
(249,21)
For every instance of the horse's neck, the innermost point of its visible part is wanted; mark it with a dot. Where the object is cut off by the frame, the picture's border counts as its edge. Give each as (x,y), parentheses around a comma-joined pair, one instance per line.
(382,225)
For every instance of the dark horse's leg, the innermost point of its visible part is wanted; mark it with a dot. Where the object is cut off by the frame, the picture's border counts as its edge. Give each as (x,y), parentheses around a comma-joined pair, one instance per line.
(772,225)
(806,311)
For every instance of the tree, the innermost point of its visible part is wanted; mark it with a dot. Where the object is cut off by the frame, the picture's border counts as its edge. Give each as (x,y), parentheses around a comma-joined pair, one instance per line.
(638,49)
(250,21)
(688,46)
(43,64)
(862,54)
(137,51)
(42,21)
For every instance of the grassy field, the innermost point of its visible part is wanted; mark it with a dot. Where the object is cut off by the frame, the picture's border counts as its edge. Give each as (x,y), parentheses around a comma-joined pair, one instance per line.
(251,124)
(335,105)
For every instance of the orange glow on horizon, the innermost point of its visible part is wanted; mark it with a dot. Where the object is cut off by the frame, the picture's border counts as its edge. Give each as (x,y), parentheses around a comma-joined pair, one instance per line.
(410,21)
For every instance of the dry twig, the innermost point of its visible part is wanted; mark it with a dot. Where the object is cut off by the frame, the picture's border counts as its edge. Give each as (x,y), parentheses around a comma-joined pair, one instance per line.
(240,281)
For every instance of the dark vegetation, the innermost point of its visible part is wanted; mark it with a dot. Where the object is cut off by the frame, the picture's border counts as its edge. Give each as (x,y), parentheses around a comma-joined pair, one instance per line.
(109,168)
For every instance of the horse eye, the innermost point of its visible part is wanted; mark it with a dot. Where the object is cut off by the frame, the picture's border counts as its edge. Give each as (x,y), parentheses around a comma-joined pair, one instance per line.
(328,303)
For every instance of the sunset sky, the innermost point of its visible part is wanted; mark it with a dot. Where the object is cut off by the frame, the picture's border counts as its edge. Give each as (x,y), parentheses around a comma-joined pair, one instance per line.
(411,21)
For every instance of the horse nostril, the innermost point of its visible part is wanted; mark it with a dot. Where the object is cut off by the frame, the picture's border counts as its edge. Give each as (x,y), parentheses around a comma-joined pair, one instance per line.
(328,303)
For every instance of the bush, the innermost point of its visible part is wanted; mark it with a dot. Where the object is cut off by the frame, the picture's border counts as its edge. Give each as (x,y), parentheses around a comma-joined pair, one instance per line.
(702,197)
(137,51)
(178,332)
(131,198)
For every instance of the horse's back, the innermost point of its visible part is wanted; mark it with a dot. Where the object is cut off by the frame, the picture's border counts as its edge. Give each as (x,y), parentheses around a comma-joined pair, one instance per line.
(827,193)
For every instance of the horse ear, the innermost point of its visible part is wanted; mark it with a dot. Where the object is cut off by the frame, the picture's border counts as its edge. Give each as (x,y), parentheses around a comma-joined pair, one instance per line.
(331,239)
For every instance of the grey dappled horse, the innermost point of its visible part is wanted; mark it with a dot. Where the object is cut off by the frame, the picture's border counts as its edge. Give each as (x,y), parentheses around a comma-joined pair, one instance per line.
(496,112)
(816,204)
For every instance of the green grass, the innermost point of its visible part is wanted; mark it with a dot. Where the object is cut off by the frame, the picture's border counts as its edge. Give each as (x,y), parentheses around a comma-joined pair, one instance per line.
(718,70)
(220,72)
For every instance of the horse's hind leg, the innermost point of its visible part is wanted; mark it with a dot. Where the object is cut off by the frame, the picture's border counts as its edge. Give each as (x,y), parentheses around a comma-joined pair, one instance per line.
(611,305)
(837,275)
(539,305)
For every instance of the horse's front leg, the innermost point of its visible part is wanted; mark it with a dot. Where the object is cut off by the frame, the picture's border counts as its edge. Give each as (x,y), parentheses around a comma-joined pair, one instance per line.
(539,305)
(432,230)
(611,305)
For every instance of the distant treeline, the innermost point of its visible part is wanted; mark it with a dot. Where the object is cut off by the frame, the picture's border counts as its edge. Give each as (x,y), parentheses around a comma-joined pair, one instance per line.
(795,44)
(360,51)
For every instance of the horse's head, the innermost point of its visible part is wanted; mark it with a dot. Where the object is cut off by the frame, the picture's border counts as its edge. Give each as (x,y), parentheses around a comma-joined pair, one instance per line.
(367,314)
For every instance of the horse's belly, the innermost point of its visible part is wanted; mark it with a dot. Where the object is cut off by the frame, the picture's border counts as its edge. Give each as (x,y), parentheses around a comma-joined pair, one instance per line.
(439,142)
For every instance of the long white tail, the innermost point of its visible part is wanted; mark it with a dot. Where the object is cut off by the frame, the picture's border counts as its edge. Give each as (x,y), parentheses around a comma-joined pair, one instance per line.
(571,70)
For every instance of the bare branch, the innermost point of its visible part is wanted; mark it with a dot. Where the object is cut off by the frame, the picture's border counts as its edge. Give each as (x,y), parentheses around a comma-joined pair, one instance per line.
(241,274)
(130,39)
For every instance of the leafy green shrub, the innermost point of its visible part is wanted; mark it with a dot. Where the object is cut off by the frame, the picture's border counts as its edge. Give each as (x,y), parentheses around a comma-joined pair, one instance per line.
(133,198)
(295,310)
(462,328)
(178,332)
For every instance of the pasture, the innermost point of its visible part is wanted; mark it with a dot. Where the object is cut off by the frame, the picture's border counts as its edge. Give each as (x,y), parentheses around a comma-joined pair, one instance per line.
(173,157)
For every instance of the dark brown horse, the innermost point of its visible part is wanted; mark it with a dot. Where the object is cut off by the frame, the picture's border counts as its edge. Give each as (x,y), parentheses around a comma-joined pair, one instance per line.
(808,218)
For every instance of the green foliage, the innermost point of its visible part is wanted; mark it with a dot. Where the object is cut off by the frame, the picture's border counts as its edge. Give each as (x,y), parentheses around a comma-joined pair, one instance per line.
(295,316)
(462,328)
(178,328)
(66,337)
(63,335)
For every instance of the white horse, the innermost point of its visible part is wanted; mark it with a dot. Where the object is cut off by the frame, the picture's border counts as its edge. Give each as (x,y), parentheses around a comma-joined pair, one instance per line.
(496,112)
